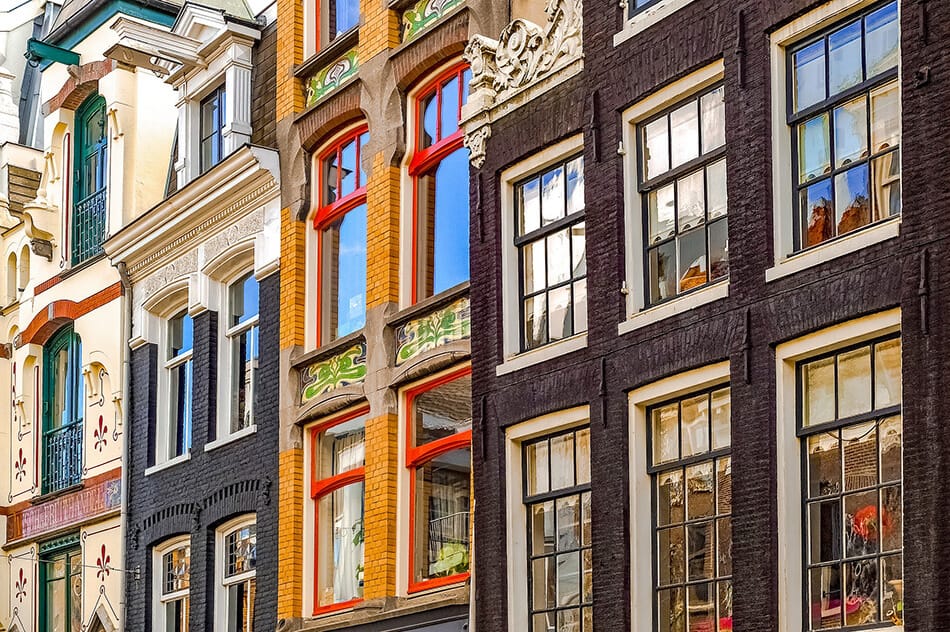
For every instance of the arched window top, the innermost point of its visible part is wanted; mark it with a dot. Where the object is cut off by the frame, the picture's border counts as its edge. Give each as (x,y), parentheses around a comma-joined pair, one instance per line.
(438,108)
(88,221)
(341,181)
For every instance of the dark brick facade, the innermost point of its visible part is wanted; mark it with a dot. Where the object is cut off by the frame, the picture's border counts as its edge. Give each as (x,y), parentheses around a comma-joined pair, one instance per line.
(263,89)
(879,277)
(196,496)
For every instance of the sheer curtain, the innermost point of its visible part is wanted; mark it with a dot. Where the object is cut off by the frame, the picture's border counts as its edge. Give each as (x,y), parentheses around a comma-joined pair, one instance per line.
(348,520)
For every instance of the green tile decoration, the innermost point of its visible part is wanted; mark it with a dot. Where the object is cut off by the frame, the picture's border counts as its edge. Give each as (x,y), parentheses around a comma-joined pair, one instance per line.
(332,77)
(451,323)
(424,14)
(327,375)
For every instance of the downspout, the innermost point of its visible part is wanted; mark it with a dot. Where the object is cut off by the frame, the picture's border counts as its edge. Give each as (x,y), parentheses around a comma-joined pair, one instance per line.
(126,335)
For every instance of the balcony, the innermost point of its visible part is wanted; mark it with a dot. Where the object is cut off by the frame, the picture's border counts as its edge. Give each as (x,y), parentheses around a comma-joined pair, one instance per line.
(89,227)
(62,457)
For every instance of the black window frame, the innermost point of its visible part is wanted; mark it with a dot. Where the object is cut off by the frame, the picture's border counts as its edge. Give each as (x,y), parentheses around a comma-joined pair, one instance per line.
(216,99)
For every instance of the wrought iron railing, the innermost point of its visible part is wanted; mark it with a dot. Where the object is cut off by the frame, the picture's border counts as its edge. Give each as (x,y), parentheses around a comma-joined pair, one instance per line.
(62,457)
(89,226)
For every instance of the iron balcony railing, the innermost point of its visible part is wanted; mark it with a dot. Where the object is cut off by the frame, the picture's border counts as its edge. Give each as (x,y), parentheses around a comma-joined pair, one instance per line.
(89,226)
(62,457)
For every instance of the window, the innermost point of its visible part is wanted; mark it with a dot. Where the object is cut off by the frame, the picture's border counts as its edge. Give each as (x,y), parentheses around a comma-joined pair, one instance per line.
(338,455)
(844,113)
(61,582)
(211,128)
(237,561)
(340,222)
(172,579)
(560,560)
(175,389)
(550,240)
(242,340)
(335,18)
(439,459)
(691,474)
(439,172)
(88,221)
(683,189)
(849,425)
(63,409)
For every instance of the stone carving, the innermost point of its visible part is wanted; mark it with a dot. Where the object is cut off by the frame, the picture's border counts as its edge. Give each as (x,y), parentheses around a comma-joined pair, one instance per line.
(452,322)
(336,372)
(476,144)
(424,14)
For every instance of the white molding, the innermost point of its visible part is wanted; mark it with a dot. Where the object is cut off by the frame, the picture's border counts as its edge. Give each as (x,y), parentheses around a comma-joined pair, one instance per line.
(516,533)
(709,294)
(542,354)
(641,21)
(220,606)
(164,465)
(231,438)
(158,571)
(788,449)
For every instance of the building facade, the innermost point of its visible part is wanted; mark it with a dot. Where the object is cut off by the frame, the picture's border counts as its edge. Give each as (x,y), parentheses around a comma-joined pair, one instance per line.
(708,313)
(203,269)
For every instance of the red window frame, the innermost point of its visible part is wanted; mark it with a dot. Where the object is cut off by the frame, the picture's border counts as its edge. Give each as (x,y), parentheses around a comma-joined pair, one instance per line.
(322,487)
(417,456)
(327,213)
(425,159)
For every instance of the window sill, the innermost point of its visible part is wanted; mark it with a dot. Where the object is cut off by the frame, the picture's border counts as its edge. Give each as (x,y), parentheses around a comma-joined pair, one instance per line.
(231,438)
(158,467)
(542,354)
(339,45)
(645,19)
(714,292)
(838,248)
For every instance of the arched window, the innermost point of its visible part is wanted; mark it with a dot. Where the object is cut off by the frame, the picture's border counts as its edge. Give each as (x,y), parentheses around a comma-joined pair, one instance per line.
(171,581)
(439,172)
(236,572)
(88,222)
(242,340)
(340,222)
(12,293)
(24,269)
(63,408)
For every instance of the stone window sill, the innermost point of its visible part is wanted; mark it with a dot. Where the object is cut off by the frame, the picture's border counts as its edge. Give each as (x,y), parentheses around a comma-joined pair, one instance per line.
(651,315)
(542,354)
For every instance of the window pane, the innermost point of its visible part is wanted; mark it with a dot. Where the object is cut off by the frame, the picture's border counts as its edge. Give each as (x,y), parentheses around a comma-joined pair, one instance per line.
(816,210)
(348,168)
(243,299)
(716,189)
(552,195)
(580,306)
(530,206)
(442,498)
(851,132)
(177,569)
(180,334)
(347,14)
(340,545)
(575,185)
(568,522)
(578,250)
(700,491)
(861,581)
(885,117)
(892,518)
(844,58)
(536,459)
(536,321)
(852,201)
(665,433)
(825,602)
(244,357)
(818,386)
(241,547)
(341,447)
(824,464)
(562,461)
(450,108)
(671,610)
(671,552)
(560,316)
(690,203)
(344,244)
(695,425)
(670,506)
(429,108)
(568,579)
(331,192)
(859,444)
(854,382)
(824,531)
(179,428)
(450,258)
(684,125)
(692,265)
(534,261)
(724,485)
(886,179)
(862,532)
(814,148)
(701,606)
(892,580)
(559,257)
(662,206)
(656,140)
(713,106)
(241,606)
(724,546)
(882,40)
(176,615)
(663,272)
(809,75)
(544,587)
(443,411)
(719,249)
(582,455)
(542,528)
(890,438)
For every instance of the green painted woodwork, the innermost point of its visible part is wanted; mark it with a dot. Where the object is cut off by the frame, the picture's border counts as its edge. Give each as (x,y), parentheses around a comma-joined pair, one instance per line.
(63,407)
(36,50)
(61,575)
(88,220)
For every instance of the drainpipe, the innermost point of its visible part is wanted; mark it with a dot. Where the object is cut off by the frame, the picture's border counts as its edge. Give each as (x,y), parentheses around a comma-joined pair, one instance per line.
(126,335)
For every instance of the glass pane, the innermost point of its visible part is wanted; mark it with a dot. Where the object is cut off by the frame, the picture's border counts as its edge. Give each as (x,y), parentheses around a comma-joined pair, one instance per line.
(544,584)
(342,448)
(824,531)
(854,382)
(363,139)
(861,603)
(887,373)
(430,115)
(544,621)
(578,250)
(536,321)
(657,148)
(690,203)
(559,257)
(692,264)
(331,192)
(695,425)
(671,610)
(560,316)
(347,14)
(851,132)
(568,522)
(533,254)
(176,615)
(568,579)
(882,39)
(588,615)
(339,548)
(824,464)
(701,606)
(862,531)
(240,606)
(575,185)
(530,193)
(662,207)
(844,58)
(725,606)
(719,249)
(552,196)
(180,335)
(892,518)
(818,391)
(825,597)
(562,461)
(345,246)
(241,548)
(892,580)
(582,450)
(713,106)
(244,358)
(852,199)
(716,189)
(568,620)
(724,546)
(885,117)
(814,148)
(536,458)
(724,484)
(809,73)
(665,435)
(348,169)
(243,299)
(587,520)
(670,497)
(721,408)
(56,606)
(663,272)
(450,108)
(542,528)
(177,569)
(442,411)
(890,440)
(450,235)
(442,501)
(699,542)
(671,554)
(587,561)
(859,443)
(886,179)
(700,491)
(816,211)
(684,126)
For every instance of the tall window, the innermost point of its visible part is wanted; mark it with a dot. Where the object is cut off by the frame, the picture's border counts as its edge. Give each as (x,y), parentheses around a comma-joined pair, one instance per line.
(683,185)
(211,128)
(844,110)
(336,17)
(439,169)
(851,434)
(172,580)
(338,456)
(341,246)
(63,409)
(238,561)
(242,334)
(88,222)
(560,562)
(439,456)
(550,238)
(61,585)
(692,529)
(174,432)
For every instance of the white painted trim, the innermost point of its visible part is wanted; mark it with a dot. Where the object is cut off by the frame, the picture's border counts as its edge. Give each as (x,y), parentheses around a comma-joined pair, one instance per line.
(542,354)
(664,98)
(783,213)
(509,253)
(220,606)
(643,20)
(788,449)
(158,572)
(641,483)
(164,465)
(231,438)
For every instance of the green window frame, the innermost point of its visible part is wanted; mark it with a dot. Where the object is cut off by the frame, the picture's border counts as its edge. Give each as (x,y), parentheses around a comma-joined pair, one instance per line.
(88,221)
(63,395)
(61,585)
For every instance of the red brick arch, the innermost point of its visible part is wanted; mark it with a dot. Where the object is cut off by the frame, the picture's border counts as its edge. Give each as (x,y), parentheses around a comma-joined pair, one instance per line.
(83,81)
(62,312)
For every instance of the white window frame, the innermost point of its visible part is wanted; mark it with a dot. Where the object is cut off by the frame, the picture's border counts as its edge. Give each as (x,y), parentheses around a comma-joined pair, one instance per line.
(787,261)
(221,582)
(516,536)
(641,21)
(159,598)
(163,404)
(789,454)
(514,359)
(641,481)
(639,313)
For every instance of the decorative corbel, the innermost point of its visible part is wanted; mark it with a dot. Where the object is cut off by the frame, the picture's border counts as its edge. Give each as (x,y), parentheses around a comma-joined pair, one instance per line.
(7,220)
(41,241)
(94,374)
(117,404)
(20,403)
(117,132)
